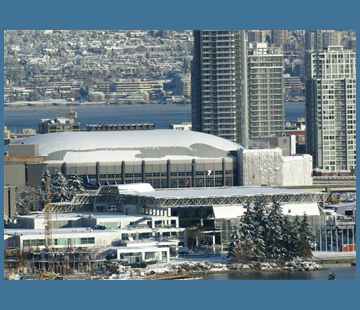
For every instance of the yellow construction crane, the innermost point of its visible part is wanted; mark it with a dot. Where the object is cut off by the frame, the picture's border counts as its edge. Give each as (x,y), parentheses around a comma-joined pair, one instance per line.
(48,216)
(72,115)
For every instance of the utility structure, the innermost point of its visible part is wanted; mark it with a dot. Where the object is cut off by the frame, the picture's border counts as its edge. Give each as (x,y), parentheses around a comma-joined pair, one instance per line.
(72,115)
(48,215)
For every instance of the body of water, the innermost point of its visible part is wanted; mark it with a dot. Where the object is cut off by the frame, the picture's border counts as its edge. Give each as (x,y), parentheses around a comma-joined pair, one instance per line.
(18,118)
(341,271)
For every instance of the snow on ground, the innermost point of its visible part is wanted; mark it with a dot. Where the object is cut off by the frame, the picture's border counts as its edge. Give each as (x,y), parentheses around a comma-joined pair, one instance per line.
(218,263)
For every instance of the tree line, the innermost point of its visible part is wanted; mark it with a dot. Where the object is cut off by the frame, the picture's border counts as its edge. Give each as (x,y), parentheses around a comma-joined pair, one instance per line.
(62,189)
(266,234)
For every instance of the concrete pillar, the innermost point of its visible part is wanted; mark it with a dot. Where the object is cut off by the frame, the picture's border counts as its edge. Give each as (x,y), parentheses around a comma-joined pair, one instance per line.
(143,171)
(123,172)
(97,171)
(64,169)
(185,238)
(223,171)
(331,238)
(193,173)
(337,240)
(168,171)
(168,255)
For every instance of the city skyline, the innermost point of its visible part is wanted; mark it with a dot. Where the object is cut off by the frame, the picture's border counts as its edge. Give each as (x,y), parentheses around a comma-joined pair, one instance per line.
(254,110)
(178,191)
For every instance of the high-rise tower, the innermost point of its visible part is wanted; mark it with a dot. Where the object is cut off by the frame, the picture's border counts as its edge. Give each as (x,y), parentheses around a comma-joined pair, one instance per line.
(331,108)
(266,90)
(279,37)
(313,40)
(219,84)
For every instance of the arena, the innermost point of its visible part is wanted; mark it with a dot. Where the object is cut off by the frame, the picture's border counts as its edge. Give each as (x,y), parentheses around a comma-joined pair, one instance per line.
(163,158)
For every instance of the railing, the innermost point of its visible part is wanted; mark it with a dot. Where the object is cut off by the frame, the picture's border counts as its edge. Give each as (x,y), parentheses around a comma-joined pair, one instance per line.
(334,177)
(137,226)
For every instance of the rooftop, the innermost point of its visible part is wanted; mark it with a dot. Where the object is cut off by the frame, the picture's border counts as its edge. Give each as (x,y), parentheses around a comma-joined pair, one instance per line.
(224,192)
(222,196)
(109,146)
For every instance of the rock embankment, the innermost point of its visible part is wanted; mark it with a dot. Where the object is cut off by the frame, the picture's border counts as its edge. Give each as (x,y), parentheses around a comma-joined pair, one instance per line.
(295,265)
(189,269)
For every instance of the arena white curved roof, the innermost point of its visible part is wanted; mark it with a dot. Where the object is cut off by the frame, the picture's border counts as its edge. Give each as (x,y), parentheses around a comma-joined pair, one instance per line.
(108,146)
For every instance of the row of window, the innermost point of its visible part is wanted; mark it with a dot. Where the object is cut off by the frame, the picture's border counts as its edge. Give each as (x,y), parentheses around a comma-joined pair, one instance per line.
(59,241)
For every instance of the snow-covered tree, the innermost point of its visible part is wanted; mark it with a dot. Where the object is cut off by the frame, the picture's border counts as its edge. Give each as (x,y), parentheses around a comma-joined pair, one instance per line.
(259,248)
(274,232)
(234,248)
(306,238)
(246,225)
(46,176)
(247,246)
(27,200)
(260,214)
(59,188)
(296,236)
(289,238)
(76,186)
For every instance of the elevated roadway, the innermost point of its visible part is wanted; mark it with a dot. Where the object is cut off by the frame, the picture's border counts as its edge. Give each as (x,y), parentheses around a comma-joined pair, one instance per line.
(330,185)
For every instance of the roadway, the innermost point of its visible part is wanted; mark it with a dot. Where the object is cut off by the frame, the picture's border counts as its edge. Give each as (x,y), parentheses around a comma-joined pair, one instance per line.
(333,185)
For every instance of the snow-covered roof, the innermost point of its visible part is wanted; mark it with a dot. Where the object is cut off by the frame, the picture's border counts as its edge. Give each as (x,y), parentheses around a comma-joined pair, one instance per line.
(223,192)
(228,212)
(113,146)
(301,208)
(127,188)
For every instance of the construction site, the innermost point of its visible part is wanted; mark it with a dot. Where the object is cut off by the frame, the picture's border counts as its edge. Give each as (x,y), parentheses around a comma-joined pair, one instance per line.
(64,263)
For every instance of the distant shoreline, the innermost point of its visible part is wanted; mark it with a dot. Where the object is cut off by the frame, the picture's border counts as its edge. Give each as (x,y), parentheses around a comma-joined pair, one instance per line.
(30,104)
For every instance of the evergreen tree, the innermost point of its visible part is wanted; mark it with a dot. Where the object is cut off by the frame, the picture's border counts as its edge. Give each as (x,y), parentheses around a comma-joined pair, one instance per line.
(259,213)
(246,225)
(247,246)
(59,188)
(246,230)
(258,232)
(234,249)
(46,176)
(274,232)
(289,239)
(295,235)
(76,186)
(306,238)
(259,250)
